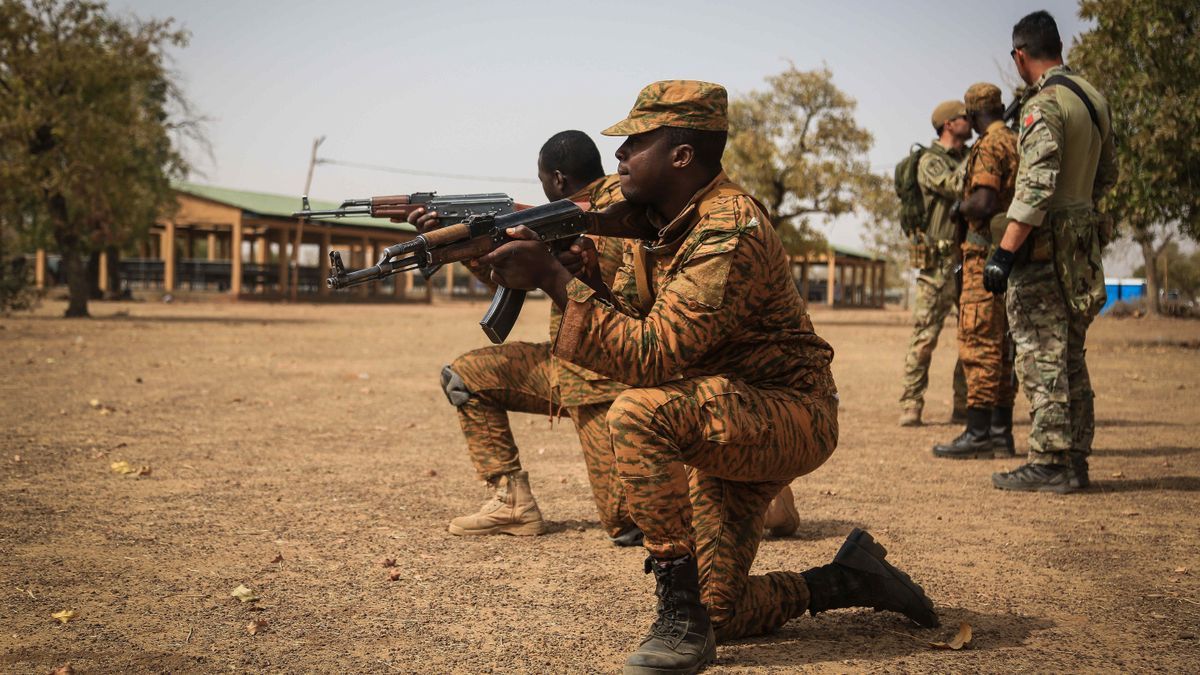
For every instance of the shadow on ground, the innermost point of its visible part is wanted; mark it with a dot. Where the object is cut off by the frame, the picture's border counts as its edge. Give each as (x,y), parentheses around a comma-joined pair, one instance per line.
(861,634)
(1177,483)
(1165,451)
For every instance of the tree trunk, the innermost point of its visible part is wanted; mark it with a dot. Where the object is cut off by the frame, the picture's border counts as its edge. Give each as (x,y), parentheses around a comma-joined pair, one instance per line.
(79,286)
(1146,241)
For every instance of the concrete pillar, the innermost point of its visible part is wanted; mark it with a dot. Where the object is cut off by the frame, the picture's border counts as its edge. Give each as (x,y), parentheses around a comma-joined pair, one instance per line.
(366,290)
(830,283)
(167,246)
(282,262)
(211,246)
(102,271)
(403,284)
(323,263)
(449,270)
(235,257)
(39,268)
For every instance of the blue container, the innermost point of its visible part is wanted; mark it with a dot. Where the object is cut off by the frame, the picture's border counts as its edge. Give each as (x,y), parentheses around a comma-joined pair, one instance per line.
(1123,290)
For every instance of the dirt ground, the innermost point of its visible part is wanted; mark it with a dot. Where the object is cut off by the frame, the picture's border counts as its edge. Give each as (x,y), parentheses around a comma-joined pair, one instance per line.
(291,448)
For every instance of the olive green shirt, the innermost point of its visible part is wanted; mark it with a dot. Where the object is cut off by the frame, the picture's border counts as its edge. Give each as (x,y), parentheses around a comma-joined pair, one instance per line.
(941,184)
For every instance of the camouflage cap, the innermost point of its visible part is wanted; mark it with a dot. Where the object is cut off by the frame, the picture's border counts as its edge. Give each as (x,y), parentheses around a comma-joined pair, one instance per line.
(946,111)
(690,104)
(982,96)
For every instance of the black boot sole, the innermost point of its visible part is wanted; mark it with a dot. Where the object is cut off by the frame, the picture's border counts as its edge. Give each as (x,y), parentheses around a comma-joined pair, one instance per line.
(861,552)
(710,653)
(981,453)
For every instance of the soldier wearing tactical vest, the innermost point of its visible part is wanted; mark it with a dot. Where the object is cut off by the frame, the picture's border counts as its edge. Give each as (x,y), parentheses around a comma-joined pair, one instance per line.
(934,257)
(1050,256)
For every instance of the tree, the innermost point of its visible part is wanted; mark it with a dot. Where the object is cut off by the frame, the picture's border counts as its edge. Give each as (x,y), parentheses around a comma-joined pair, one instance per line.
(90,122)
(1145,57)
(797,147)
(1179,272)
(882,234)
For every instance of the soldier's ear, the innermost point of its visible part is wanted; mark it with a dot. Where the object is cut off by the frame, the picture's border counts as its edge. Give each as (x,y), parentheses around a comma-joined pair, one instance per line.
(682,156)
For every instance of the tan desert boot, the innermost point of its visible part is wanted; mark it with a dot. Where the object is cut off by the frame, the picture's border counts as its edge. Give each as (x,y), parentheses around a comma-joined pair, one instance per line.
(910,416)
(510,510)
(782,517)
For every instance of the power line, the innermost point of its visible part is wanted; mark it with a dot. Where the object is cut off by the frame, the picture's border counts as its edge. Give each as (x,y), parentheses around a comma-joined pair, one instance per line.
(430,174)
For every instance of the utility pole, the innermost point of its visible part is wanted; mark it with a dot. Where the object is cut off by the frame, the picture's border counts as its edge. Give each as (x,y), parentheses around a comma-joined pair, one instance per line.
(312,163)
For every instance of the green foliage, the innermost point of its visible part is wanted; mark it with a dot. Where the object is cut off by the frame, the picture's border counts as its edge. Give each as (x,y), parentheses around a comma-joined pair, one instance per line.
(1144,55)
(796,146)
(90,121)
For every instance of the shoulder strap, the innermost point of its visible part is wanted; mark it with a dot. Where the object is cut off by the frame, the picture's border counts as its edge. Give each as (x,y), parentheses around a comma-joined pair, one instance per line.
(1078,90)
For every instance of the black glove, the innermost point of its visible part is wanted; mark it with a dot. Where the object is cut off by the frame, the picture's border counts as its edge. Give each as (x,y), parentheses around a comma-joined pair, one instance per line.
(997,269)
(956,214)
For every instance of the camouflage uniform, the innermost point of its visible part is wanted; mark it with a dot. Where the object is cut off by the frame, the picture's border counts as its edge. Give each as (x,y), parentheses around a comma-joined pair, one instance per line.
(984,345)
(732,395)
(1057,282)
(526,377)
(941,182)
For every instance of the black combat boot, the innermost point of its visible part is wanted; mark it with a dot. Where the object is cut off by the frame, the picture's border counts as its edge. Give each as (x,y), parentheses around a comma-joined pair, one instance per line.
(1059,478)
(681,641)
(974,441)
(859,576)
(1001,433)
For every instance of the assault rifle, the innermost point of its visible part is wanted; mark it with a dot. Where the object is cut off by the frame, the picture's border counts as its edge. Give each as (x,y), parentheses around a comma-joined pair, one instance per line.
(450,209)
(561,221)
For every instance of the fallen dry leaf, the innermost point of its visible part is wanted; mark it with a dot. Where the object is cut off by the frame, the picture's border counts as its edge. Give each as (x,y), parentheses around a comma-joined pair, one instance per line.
(1119,474)
(1181,570)
(64,669)
(244,594)
(278,558)
(395,575)
(387,562)
(431,473)
(960,639)
(127,469)
(255,627)
(64,616)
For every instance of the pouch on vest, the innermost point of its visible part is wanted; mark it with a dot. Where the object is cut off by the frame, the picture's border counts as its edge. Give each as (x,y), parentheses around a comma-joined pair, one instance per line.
(1078,259)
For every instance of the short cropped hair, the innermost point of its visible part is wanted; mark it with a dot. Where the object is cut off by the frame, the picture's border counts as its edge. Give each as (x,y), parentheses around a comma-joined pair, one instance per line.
(709,145)
(1037,35)
(573,153)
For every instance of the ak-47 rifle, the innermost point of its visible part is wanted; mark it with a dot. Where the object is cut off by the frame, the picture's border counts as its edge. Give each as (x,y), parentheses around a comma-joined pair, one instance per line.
(450,209)
(558,221)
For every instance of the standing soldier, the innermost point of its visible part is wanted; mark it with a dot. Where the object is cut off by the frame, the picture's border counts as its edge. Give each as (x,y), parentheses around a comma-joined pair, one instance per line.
(1050,256)
(934,257)
(731,391)
(984,345)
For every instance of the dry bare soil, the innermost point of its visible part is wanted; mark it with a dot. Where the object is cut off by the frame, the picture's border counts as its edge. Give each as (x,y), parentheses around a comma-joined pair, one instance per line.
(291,448)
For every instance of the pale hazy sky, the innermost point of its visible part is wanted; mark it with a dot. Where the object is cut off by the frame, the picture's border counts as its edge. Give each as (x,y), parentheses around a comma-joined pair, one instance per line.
(476,87)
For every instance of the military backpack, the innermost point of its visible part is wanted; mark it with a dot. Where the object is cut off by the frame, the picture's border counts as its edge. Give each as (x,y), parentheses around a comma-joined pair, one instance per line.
(912,202)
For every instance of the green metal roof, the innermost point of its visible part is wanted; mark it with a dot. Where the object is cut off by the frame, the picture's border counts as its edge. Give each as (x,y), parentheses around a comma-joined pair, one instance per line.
(281,206)
(853,252)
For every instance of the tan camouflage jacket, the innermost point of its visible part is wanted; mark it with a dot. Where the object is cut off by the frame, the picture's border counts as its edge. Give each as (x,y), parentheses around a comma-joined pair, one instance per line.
(992,163)
(716,297)
(577,385)
(941,182)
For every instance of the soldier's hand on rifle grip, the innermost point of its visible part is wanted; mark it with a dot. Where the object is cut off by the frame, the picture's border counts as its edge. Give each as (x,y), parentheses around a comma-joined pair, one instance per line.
(423,220)
(996,271)
(582,260)
(525,264)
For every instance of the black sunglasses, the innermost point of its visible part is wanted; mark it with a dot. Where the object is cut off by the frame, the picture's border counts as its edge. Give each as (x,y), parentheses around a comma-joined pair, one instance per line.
(1013,53)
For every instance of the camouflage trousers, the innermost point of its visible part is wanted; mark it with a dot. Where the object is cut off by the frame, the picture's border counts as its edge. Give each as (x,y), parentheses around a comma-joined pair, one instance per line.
(516,377)
(701,460)
(1051,364)
(984,346)
(933,302)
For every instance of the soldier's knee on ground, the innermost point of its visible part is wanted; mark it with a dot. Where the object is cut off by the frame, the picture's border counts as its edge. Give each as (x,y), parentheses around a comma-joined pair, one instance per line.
(456,390)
